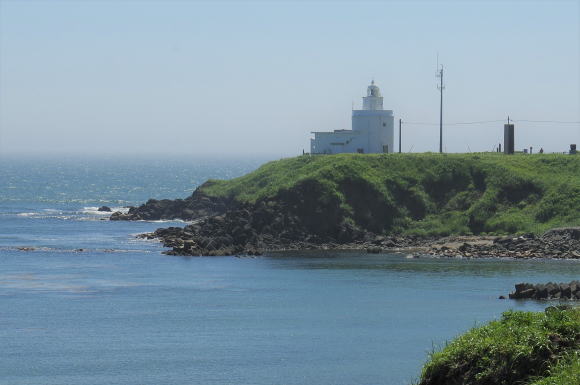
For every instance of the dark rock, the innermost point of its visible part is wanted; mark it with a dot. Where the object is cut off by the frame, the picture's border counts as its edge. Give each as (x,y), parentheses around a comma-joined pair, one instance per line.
(528,293)
(119,216)
(390,243)
(545,291)
(523,286)
(566,291)
(196,206)
(562,233)
(542,293)
(105,209)
(552,288)
(464,247)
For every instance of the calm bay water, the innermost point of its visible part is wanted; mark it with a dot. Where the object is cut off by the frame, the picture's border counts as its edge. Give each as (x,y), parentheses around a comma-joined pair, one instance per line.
(120,312)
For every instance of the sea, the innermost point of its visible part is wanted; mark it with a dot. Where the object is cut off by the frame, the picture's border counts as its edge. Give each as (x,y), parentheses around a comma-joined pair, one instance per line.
(83,301)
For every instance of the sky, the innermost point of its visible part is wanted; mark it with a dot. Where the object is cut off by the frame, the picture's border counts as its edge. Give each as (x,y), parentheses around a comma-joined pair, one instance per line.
(255,78)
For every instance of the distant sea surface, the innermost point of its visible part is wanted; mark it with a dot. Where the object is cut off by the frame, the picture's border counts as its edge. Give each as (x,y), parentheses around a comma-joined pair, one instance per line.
(120,312)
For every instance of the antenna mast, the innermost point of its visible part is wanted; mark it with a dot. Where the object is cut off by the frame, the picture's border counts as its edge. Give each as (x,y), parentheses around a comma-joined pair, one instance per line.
(440,87)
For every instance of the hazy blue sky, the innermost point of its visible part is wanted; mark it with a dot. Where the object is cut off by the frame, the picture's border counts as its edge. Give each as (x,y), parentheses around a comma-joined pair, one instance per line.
(257,77)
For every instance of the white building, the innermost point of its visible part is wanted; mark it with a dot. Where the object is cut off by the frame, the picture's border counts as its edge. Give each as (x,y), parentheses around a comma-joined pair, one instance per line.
(372,130)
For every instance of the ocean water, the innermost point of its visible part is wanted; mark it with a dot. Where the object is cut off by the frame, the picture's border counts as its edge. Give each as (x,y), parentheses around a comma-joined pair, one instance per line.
(120,312)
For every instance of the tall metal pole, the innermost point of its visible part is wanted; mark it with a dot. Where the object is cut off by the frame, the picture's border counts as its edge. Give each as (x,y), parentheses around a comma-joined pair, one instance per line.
(440,75)
(400,121)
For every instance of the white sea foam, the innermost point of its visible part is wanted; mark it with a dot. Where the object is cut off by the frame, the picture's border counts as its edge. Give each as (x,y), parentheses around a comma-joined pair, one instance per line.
(94,213)
(52,211)
(43,213)
(26,214)
(167,221)
(95,210)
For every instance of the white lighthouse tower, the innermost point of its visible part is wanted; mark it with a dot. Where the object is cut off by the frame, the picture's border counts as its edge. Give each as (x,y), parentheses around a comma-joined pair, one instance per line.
(376,122)
(372,130)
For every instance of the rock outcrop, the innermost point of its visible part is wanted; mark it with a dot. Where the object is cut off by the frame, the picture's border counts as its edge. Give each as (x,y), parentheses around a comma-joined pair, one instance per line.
(254,228)
(569,291)
(196,206)
(555,243)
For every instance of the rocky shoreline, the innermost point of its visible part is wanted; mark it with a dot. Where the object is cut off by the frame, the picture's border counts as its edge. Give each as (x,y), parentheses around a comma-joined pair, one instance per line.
(198,240)
(298,220)
(186,242)
(562,243)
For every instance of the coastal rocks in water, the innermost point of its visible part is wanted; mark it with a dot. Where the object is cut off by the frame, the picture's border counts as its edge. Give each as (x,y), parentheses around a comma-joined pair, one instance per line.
(105,209)
(569,291)
(276,225)
(556,243)
(196,206)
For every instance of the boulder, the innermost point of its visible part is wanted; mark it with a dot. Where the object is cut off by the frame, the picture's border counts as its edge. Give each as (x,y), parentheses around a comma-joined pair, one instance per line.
(566,291)
(542,293)
(546,291)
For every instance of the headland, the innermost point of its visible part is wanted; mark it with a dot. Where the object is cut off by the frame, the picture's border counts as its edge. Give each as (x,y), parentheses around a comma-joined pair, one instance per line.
(484,204)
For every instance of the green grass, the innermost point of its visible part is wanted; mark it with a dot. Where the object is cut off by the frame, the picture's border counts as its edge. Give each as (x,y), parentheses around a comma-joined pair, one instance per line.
(427,194)
(520,348)
(565,372)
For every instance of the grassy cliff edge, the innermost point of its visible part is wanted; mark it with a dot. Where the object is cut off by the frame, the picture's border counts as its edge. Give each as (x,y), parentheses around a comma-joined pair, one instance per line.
(520,348)
(425,194)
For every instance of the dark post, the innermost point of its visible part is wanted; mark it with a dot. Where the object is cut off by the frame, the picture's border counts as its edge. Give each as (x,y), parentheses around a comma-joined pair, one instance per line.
(508,138)
(400,121)
(441,113)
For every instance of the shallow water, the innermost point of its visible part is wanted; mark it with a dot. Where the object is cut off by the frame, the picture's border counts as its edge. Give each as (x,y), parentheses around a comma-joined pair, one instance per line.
(121,312)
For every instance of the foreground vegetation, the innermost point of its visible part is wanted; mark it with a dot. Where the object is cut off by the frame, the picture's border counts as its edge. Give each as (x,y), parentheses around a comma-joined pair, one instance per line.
(423,194)
(520,348)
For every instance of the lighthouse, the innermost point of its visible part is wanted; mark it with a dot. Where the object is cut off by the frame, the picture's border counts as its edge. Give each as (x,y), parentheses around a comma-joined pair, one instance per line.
(372,130)
(378,124)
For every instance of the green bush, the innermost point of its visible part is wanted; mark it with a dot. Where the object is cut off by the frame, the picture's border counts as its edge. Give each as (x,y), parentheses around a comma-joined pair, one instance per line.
(520,348)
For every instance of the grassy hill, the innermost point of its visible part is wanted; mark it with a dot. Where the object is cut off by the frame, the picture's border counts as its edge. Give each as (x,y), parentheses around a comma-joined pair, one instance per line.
(520,348)
(423,194)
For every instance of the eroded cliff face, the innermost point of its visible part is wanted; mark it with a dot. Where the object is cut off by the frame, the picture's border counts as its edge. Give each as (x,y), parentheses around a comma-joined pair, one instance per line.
(301,217)
(198,205)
